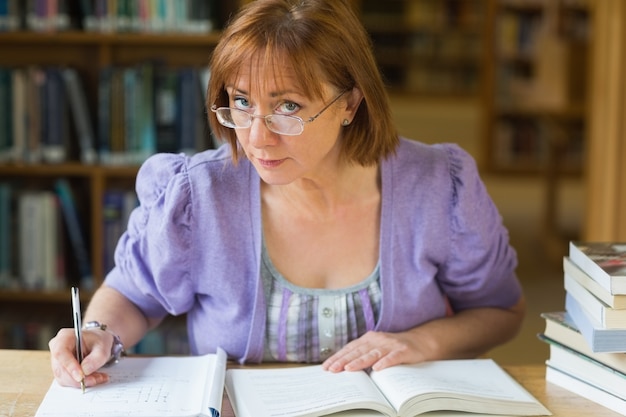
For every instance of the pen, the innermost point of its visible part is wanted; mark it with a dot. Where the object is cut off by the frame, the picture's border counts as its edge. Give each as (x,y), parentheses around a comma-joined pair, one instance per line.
(76,316)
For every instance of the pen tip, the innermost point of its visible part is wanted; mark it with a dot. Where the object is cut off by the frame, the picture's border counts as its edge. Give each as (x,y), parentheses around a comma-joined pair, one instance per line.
(82,385)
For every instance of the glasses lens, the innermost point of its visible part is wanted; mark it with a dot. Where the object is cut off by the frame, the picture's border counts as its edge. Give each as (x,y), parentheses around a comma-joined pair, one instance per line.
(284,125)
(277,123)
(233,118)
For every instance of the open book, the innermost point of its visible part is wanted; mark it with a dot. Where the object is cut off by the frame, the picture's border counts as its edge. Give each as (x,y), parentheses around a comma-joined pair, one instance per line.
(474,385)
(182,386)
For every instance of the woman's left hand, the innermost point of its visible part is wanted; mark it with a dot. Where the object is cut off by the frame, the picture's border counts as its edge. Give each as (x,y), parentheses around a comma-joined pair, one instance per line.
(465,334)
(377,350)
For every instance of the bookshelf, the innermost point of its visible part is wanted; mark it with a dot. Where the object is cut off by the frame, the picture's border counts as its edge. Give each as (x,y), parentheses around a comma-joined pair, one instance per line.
(30,316)
(535,98)
(536,74)
(428,48)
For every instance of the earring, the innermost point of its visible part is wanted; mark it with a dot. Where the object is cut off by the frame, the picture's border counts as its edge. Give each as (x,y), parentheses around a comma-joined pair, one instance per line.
(345,122)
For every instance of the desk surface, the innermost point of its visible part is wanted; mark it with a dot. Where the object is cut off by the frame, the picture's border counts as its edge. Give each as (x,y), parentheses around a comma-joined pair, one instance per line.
(25,377)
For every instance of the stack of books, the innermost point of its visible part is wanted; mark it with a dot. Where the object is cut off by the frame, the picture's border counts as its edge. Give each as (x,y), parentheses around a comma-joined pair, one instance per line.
(588,340)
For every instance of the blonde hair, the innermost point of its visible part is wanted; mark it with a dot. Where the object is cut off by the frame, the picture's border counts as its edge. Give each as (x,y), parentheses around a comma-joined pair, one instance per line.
(323,41)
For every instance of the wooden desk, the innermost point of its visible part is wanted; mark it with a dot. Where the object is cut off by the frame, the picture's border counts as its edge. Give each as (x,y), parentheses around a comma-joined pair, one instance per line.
(25,376)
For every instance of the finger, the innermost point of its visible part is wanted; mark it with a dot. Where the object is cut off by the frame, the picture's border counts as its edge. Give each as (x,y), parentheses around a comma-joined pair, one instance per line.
(337,362)
(386,361)
(364,361)
(99,353)
(355,354)
(96,378)
(65,367)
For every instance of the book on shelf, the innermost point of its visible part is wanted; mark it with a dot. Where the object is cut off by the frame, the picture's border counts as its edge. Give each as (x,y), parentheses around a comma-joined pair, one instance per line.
(599,338)
(40,252)
(192,16)
(6,229)
(192,129)
(585,390)
(149,108)
(607,317)
(617,301)
(19,109)
(605,262)
(586,369)
(80,115)
(74,226)
(6,115)
(475,385)
(35,79)
(165,91)
(561,329)
(172,386)
(55,129)
(117,206)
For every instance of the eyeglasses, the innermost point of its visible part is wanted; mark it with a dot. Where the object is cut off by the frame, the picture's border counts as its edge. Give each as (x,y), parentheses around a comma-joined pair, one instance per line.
(281,124)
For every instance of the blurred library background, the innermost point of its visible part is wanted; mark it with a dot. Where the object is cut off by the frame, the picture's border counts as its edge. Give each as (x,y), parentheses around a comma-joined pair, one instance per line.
(102,82)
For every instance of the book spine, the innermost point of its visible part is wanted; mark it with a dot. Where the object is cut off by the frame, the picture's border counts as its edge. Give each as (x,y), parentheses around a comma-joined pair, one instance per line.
(54,148)
(6,119)
(20,115)
(74,230)
(30,241)
(104,114)
(600,340)
(80,115)
(6,231)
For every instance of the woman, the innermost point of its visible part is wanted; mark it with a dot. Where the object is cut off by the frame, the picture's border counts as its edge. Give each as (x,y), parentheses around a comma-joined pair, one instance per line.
(315,234)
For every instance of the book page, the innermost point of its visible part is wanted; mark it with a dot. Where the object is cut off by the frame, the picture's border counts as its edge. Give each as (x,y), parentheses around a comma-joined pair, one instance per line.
(140,387)
(301,391)
(464,380)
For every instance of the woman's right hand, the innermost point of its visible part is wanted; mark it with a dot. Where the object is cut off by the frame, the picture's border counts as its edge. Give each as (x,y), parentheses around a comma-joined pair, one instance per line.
(96,349)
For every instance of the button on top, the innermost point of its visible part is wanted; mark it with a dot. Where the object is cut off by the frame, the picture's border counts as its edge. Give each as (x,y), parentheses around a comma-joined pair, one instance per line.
(327,312)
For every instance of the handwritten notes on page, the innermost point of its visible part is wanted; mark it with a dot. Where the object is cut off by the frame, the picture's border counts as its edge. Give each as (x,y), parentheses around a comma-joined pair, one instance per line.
(182,386)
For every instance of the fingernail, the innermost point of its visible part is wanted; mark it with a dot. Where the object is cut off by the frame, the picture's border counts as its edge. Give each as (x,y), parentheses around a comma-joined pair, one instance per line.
(77,375)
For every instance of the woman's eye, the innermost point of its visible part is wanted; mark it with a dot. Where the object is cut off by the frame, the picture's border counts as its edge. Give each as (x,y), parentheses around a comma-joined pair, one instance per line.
(241,103)
(288,107)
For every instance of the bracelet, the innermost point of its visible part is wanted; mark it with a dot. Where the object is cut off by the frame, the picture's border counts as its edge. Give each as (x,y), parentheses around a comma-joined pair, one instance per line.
(117,350)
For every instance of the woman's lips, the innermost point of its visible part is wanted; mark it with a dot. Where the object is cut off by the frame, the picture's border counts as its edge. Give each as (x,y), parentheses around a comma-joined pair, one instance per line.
(270,163)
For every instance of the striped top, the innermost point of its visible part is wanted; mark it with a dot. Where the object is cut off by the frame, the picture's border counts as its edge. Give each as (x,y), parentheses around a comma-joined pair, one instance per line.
(309,325)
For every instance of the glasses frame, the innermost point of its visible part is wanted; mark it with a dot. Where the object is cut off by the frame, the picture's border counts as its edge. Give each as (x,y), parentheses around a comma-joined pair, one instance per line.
(267,117)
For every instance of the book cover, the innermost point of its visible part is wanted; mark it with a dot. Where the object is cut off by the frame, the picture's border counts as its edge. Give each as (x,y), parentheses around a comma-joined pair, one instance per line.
(605,262)
(474,385)
(600,339)
(612,300)
(561,329)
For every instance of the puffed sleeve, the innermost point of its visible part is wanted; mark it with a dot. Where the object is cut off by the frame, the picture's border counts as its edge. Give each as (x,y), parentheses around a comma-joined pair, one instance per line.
(480,269)
(152,256)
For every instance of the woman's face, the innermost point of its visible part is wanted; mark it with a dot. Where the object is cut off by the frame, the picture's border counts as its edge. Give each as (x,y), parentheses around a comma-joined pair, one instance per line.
(282,159)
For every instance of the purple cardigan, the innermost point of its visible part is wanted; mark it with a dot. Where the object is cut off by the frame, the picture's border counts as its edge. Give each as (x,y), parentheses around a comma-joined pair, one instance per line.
(194,245)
